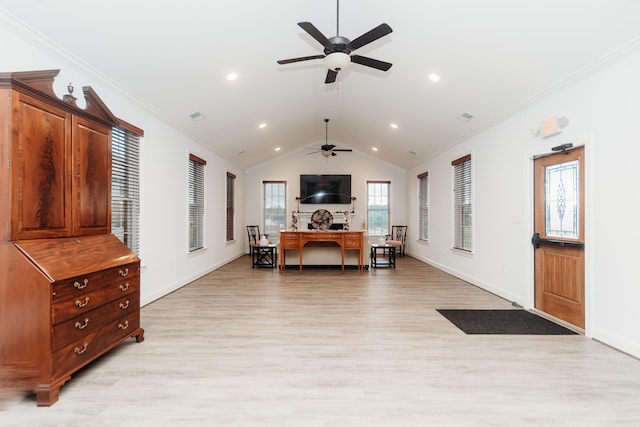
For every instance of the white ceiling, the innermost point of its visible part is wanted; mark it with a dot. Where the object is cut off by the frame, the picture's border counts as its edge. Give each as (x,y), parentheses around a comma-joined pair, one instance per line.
(494,57)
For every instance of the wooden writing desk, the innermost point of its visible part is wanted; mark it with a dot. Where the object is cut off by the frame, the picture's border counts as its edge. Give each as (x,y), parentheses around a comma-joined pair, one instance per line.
(346,240)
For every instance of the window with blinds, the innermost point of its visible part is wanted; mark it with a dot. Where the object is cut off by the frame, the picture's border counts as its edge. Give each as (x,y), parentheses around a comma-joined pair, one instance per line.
(125,187)
(462,204)
(196,202)
(274,208)
(423,206)
(231,190)
(378,208)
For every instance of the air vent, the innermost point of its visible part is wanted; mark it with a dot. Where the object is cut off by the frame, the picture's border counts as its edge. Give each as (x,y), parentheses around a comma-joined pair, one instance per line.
(197,116)
(465,117)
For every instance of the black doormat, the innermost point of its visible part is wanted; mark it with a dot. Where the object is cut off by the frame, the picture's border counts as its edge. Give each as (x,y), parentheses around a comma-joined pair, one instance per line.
(509,322)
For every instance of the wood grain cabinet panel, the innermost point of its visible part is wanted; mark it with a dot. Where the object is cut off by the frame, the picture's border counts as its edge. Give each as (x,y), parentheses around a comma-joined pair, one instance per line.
(41,166)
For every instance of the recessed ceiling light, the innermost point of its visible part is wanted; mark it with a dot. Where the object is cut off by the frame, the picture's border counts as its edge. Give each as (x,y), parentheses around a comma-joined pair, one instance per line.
(394,125)
(434,77)
(197,116)
(262,125)
(374,148)
(277,149)
(232,76)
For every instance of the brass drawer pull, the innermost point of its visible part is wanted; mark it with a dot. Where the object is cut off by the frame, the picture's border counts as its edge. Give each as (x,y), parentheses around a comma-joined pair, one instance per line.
(81,304)
(124,325)
(82,325)
(82,285)
(124,287)
(79,350)
(124,272)
(124,305)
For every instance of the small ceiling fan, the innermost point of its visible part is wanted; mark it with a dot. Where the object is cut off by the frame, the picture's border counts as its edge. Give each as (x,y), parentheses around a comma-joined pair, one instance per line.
(327,149)
(337,49)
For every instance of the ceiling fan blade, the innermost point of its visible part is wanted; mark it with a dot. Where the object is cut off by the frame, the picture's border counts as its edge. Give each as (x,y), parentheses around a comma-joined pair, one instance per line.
(342,149)
(316,34)
(302,58)
(373,35)
(331,76)
(370,62)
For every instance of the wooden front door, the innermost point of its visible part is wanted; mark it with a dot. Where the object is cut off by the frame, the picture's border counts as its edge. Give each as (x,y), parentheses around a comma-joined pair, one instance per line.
(559,235)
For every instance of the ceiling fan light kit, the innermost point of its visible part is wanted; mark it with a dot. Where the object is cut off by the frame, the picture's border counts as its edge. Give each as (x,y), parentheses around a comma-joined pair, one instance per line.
(337,61)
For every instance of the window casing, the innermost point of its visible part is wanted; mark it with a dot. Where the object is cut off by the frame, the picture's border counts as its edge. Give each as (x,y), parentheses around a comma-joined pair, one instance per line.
(378,208)
(462,204)
(423,206)
(231,200)
(274,208)
(125,186)
(196,202)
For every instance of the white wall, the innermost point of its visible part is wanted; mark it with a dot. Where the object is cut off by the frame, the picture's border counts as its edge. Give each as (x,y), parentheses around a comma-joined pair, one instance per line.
(603,112)
(360,166)
(166,264)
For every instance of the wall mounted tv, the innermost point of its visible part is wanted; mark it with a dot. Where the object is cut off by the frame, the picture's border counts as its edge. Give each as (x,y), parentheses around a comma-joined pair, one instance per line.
(325,189)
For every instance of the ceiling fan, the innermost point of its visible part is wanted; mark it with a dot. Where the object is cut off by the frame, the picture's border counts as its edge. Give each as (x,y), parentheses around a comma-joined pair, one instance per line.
(327,149)
(337,49)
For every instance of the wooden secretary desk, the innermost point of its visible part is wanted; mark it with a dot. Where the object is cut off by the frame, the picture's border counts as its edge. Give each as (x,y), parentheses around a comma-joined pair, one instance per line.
(69,290)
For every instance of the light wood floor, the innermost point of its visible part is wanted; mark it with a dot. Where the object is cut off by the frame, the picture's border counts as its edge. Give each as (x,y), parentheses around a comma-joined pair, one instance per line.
(252,347)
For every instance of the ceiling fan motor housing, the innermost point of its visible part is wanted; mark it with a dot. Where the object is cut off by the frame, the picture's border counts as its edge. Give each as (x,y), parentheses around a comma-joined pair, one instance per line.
(339,44)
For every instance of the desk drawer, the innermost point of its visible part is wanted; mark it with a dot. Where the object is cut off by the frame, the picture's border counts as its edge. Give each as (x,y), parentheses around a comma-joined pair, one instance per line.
(91,300)
(351,243)
(74,287)
(321,236)
(85,349)
(289,243)
(285,235)
(82,325)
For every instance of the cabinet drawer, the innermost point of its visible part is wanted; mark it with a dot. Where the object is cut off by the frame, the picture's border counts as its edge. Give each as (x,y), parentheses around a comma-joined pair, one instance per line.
(83,350)
(72,288)
(80,326)
(88,301)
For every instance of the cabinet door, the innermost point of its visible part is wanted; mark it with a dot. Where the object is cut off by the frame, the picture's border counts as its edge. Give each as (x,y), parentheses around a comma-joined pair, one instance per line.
(40,170)
(92,178)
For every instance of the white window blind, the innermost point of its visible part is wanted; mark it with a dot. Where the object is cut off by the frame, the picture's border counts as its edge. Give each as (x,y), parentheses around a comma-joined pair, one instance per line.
(196,203)
(231,200)
(423,203)
(462,204)
(125,187)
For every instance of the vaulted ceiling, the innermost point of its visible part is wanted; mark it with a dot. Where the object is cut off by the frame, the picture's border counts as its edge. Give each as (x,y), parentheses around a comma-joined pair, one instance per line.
(493,57)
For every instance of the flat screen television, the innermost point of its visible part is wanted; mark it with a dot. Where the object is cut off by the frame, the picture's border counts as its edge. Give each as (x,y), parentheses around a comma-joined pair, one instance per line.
(325,189)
